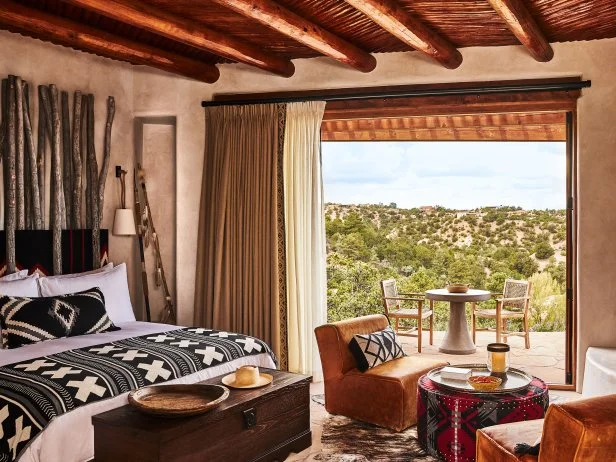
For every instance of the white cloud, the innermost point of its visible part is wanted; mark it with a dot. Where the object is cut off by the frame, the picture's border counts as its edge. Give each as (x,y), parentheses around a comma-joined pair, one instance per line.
(531,175)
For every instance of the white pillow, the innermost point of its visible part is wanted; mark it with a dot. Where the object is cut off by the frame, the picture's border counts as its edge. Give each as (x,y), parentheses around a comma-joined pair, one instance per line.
(107,267)
(113,283)
(25,287)
(15,276)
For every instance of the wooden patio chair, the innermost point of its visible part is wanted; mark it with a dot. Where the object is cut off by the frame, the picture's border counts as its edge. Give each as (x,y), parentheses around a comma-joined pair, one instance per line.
(513,303)
(392,302)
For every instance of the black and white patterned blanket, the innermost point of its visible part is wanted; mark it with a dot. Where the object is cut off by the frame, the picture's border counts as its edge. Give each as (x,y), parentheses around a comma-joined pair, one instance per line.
(35,391)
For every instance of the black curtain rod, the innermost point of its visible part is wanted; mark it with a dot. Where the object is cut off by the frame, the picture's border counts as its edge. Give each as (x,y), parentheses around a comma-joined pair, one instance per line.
(461,91)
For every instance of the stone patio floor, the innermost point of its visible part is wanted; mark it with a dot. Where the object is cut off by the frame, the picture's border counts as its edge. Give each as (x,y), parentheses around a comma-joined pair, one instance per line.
(545,358)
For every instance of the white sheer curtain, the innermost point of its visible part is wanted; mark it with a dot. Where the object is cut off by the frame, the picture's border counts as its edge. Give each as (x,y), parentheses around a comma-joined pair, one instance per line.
(305,235)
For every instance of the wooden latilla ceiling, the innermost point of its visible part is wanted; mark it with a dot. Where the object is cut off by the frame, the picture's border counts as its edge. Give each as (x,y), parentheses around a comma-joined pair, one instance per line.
(548,126)
(189,37)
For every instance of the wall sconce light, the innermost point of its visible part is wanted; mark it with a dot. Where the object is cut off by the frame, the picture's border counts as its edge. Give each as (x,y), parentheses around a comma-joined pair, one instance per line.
(124,220)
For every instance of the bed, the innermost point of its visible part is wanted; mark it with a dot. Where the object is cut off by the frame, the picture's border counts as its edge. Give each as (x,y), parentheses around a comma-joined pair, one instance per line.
(68,437)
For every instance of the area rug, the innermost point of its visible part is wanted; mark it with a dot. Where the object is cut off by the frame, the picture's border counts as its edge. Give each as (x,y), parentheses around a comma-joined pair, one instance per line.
(346,440)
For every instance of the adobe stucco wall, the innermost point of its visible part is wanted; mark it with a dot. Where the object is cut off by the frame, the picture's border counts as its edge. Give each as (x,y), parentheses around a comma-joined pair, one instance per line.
(141,91)
(43,63)
(157,92)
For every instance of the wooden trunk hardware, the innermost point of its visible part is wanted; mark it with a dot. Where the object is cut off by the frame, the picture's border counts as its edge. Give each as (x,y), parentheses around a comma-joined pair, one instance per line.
(263,425)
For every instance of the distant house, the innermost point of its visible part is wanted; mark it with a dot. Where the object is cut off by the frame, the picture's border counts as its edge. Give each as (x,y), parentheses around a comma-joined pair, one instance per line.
(427,208)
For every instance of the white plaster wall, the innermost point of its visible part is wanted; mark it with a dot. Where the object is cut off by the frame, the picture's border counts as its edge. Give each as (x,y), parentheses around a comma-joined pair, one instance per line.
(44,63)
(596,60)
(141,91)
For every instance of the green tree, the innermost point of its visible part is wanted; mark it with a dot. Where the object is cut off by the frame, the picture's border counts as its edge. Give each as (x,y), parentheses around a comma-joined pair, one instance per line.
(543,250)
(548,304)
(522,263)
(353,246)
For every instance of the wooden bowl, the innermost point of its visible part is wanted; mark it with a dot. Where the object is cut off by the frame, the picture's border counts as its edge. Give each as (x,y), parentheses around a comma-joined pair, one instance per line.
(177,400)
(484,382)
(457,288)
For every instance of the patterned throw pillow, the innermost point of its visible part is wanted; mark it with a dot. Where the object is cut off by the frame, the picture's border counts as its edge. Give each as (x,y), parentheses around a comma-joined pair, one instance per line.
(373,349)
(27,320)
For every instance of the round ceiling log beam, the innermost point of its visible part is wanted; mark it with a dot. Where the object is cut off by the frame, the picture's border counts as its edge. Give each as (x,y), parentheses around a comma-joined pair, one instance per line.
(147,17)
(62,31)
(398,22)
(310,34)
(524,27)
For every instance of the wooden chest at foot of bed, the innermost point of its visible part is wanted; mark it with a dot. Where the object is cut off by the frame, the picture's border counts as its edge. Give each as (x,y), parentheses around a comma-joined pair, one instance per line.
(263,424)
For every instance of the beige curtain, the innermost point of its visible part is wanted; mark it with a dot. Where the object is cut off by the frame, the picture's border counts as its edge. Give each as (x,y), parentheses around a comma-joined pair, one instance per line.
(305,232)
(240,255)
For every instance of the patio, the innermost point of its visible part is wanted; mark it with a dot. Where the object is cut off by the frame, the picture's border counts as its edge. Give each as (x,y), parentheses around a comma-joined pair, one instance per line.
(545,358)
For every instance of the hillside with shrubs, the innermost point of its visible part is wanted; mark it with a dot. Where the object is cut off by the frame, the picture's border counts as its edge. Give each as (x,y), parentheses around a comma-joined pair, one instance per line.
(424,248)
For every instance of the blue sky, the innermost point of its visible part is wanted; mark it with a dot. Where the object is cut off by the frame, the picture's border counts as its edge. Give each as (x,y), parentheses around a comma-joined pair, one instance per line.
(457,175)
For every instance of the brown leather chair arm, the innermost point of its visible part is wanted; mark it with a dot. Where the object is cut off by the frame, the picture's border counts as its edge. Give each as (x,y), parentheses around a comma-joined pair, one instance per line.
(578,431)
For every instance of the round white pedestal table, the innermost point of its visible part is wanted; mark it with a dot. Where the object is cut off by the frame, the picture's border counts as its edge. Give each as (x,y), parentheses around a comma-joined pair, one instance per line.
(457,340)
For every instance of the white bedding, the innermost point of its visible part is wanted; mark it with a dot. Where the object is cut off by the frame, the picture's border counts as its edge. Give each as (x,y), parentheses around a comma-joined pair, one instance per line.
(70,437)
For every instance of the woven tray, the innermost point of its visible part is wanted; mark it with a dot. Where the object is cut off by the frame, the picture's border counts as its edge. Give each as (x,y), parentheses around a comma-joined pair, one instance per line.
(177,400)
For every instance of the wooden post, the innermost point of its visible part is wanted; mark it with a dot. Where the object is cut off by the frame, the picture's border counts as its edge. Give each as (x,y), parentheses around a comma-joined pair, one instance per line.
(32,176)
(41,149)
(10,210)
(3,142)
(86,160)
(3,115)
(67,162)
(56,181)
(106,156)
(20,208)
(77,166)
(92,168)
(140,232)
(27,176)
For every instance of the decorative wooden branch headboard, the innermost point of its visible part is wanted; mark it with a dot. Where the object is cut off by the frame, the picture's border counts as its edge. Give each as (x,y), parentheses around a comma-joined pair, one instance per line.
(34,250)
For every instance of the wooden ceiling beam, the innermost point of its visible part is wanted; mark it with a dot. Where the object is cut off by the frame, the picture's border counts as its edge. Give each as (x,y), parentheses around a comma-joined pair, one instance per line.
(524,27)
(450,121)
(398,22)
(19,18)
(296,27)
(542,126)
(144,16)
(541,101)
(525,133)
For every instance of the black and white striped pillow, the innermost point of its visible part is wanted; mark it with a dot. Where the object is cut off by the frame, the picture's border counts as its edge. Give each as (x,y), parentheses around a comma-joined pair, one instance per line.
(373,349)
(27,320)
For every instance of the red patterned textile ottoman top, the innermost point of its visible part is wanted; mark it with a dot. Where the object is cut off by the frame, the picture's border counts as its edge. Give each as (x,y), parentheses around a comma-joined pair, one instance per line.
(447,420)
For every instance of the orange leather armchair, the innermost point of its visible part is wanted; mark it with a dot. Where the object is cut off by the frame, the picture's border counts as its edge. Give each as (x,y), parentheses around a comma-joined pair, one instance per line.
(583,430)
(385,395)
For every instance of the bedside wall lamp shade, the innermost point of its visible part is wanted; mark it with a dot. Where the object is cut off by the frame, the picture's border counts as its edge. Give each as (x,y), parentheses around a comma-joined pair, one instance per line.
(124,223)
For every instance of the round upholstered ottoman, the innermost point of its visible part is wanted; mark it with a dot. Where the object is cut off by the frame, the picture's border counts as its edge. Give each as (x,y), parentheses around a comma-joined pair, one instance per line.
(447,420)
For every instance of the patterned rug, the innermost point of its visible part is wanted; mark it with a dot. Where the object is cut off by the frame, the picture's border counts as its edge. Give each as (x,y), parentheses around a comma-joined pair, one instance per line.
(346,440)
